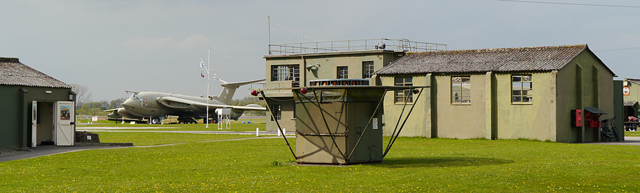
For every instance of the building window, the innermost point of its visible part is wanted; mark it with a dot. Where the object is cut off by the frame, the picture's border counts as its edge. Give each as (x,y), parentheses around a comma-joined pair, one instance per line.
(367,69)
(460,89)
(285,73)
(343,72)
(402,94)
(276,111)
(521,89)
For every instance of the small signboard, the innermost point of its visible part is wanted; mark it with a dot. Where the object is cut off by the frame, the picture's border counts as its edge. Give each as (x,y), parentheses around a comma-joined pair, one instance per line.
(626,91)
(375,123)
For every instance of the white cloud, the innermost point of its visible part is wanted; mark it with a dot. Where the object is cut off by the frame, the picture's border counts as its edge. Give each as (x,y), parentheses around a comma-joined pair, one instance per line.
(195,41)
(147,43)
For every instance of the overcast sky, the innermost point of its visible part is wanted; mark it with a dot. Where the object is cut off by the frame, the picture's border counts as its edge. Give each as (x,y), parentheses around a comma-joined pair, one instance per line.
(113,46)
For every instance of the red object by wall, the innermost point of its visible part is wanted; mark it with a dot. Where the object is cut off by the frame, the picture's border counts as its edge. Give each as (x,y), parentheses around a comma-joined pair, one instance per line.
(576,117)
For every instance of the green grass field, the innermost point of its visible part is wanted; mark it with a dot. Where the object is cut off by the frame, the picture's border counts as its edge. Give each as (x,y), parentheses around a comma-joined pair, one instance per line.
(264,165)
(632,133)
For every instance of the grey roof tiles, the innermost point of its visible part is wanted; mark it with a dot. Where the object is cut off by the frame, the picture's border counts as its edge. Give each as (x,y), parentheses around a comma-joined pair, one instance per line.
(12,72)
(545,58)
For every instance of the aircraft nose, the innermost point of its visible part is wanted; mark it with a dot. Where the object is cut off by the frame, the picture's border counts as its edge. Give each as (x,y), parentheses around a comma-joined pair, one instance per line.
(122,111)
(129,103)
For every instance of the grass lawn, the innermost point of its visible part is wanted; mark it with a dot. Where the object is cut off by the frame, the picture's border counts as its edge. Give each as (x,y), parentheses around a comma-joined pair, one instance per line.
(255,165)
(632,133)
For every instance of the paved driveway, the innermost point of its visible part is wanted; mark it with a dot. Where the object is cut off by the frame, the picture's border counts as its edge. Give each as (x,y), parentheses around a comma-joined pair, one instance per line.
(627,141)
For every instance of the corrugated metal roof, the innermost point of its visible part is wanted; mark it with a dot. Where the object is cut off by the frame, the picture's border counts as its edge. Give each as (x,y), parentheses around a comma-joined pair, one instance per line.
(635,81)
(12,72)
(630,103)
(545,58)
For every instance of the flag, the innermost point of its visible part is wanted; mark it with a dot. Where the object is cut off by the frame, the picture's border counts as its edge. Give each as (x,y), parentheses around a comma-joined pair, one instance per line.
(201,74)
(202,63)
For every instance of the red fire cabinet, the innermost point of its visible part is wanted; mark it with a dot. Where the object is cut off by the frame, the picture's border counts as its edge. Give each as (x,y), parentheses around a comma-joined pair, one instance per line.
(576,117)
(592,116)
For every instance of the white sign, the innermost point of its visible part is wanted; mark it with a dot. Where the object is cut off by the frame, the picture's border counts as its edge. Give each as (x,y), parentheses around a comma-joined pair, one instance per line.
(94,118)
(375,123)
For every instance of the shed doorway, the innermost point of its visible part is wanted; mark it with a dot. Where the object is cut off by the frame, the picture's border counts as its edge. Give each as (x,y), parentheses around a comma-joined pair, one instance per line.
(42,124)
(52,123)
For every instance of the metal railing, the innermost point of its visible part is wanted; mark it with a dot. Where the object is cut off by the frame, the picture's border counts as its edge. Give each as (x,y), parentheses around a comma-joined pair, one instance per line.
(354,45)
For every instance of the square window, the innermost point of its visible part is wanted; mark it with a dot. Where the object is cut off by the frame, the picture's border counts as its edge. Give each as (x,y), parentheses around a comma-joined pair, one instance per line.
(367,69)
(276,111)
(460,89)
(521,89)
(343,72)
(404,95)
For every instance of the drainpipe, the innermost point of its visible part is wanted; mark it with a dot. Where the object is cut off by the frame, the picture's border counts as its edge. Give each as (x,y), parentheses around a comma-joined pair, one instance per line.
(304,69)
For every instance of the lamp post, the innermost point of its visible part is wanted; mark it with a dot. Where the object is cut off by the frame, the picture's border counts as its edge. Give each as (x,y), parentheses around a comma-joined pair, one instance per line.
(207,98)
(206,68)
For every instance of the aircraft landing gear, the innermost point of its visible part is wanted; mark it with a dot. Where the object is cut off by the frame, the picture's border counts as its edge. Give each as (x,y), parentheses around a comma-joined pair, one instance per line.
(155,120)
(188,120)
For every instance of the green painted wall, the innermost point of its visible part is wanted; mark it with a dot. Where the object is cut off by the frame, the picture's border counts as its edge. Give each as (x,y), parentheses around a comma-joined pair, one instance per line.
(419,118)
(526,120)
(584,82)
(462,121)
(287,121)
(10,117)
(15,116)
(618,105)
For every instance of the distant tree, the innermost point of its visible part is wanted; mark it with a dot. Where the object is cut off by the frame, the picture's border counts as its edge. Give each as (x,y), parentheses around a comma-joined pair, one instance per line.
(82,94)
(251,100)
(91,108)
(117,103)
(104,104)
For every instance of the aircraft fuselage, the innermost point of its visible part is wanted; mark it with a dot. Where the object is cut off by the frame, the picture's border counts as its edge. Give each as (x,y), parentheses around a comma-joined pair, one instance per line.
(148,104)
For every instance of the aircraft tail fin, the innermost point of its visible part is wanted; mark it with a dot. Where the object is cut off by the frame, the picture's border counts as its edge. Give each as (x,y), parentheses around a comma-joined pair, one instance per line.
(230,88)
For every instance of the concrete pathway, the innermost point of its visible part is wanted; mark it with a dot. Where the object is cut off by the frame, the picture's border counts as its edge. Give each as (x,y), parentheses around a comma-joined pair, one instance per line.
(627,141)
(51,150)
(146,129)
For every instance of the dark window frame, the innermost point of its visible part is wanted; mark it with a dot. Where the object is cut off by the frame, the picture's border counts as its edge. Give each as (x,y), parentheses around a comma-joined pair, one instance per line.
(400,94)
(276,110)
(289,72)
(343,72)
(368,68)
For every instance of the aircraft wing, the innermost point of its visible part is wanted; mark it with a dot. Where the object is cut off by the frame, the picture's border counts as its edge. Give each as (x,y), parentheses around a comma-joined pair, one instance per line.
(178,103)
(111,110)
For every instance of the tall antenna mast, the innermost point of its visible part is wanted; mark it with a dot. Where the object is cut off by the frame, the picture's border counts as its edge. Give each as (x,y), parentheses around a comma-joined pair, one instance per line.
(269,26)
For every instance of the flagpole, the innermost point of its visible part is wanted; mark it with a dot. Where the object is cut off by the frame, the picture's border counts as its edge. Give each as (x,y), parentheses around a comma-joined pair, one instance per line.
(208,67)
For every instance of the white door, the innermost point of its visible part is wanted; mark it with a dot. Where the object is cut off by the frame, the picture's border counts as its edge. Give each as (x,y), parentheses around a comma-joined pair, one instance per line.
(34,123)
(62,120)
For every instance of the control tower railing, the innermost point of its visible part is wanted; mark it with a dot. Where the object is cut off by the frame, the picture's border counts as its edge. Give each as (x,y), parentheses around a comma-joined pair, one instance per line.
(354,45)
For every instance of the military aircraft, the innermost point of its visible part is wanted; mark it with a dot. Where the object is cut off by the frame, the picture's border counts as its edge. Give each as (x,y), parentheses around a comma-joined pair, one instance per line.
(156,106)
